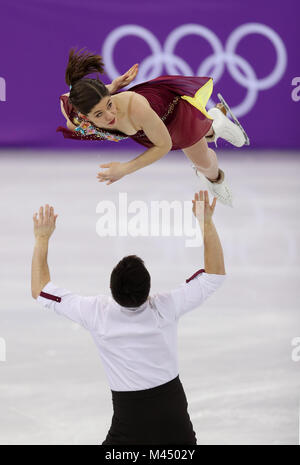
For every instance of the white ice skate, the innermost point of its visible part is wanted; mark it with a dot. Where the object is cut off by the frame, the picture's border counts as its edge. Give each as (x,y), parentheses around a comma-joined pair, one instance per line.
(226,129)
(218,188)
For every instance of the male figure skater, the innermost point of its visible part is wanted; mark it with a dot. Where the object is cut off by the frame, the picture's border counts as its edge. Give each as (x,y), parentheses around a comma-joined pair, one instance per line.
(136,333)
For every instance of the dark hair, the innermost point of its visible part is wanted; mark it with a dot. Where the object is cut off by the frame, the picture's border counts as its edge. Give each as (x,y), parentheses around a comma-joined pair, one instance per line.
(130,282)
(85,93)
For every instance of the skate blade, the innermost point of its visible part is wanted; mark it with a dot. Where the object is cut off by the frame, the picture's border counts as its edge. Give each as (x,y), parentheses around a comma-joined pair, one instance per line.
(247,140)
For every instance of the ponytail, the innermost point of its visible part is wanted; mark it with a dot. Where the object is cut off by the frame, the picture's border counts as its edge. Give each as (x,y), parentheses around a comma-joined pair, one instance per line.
(85,93)
(81,64)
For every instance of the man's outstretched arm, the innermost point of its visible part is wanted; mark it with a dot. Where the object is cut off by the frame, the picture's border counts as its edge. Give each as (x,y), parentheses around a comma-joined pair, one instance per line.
(82,310)
(44,225)
(201,285)
(213,252)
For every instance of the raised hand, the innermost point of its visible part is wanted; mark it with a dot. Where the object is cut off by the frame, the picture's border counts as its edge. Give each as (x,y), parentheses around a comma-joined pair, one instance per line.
(44,222)
(202,210)
(125,79)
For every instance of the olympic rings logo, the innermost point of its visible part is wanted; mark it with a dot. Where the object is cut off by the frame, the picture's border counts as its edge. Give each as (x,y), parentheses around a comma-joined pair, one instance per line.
(214,65)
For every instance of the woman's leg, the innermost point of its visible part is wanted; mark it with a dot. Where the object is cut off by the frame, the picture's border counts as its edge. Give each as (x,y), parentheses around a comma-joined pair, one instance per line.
(204,158)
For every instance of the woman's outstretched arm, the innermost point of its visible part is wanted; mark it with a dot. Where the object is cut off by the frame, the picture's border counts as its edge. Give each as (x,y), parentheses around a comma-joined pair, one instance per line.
(143,117)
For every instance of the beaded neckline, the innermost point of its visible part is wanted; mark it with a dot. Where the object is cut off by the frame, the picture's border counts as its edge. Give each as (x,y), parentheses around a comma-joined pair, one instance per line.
(86,128)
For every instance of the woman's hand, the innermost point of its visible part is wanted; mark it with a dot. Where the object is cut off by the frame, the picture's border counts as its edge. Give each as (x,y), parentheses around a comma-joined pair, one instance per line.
(125,79)
(115,170)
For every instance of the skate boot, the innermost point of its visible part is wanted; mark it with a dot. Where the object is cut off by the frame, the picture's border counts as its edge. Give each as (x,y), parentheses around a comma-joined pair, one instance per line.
(218,188)
(223,110)
(223,127)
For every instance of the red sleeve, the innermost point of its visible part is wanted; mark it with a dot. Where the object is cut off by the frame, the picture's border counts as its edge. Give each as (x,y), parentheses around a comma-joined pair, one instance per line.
(70,112)
(68,107)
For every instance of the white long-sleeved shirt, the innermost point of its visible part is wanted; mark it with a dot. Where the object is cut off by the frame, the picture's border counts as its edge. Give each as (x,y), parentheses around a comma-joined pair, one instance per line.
(138,346)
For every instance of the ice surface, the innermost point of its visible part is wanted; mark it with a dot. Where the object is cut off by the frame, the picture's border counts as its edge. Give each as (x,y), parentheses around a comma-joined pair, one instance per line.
(235,352)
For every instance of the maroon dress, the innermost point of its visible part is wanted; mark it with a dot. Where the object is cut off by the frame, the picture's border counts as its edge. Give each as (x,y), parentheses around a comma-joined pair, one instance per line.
(185,123)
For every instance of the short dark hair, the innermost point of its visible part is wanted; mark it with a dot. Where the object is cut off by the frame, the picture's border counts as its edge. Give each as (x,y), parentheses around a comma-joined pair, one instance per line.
(130,282)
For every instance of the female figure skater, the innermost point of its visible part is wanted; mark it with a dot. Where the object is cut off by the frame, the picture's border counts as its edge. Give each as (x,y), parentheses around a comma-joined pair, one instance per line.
(163,114)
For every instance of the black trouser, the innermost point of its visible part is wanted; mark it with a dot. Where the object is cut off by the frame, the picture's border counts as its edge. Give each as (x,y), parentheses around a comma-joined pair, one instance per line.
(157,415)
